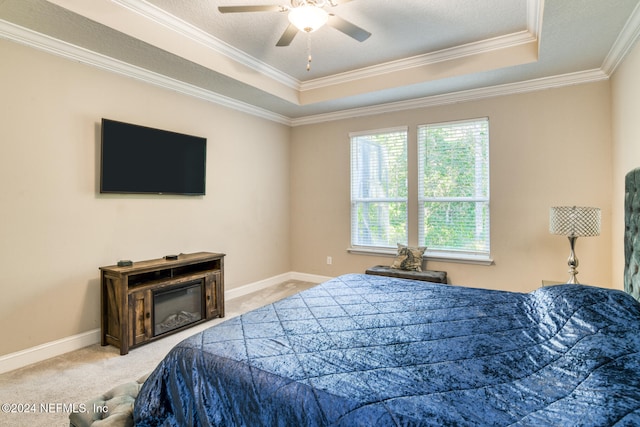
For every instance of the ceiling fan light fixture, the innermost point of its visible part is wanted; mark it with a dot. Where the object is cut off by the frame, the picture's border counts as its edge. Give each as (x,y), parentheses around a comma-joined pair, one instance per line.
(308,18)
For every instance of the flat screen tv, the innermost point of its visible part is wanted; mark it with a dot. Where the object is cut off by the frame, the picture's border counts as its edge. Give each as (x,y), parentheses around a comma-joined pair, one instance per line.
(142,160)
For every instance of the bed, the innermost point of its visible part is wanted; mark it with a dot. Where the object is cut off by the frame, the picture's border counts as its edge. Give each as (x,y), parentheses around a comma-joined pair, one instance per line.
(363,350)
(376,351)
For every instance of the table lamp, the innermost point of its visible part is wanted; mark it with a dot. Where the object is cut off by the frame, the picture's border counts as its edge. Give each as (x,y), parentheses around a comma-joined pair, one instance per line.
(574,222)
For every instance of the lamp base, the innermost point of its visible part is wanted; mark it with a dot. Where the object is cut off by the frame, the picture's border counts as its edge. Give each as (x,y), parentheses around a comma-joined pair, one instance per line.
(573,262)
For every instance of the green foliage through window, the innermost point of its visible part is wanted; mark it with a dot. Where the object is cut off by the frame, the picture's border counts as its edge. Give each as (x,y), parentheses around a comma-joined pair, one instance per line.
(379,188)
(454,186)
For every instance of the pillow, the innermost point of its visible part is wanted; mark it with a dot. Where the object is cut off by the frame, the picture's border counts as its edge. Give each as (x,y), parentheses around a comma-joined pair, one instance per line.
(408,258)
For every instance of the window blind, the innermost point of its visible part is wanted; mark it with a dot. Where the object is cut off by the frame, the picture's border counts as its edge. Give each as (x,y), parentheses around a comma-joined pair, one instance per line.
(379,188)
(453,186)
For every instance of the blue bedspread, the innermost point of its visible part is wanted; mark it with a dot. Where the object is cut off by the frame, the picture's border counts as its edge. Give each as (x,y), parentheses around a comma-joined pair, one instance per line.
(364,350)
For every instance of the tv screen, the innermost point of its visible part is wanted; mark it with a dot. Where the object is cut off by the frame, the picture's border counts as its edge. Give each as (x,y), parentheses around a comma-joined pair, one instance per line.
(143,160)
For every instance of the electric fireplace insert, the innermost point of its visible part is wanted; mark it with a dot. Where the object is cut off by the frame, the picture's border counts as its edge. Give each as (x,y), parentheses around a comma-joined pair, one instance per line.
(177,307)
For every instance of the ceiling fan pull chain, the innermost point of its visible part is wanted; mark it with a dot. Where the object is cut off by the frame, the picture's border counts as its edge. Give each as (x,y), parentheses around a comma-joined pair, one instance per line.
(309,52)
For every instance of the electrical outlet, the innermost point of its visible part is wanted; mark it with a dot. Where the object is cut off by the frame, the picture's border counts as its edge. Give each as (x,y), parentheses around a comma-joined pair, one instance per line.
(329,260)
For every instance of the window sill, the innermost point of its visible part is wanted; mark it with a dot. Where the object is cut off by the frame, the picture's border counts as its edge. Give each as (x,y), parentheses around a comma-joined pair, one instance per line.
(430,256)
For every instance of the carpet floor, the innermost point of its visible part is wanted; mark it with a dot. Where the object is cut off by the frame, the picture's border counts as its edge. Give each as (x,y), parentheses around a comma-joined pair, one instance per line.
(49,389)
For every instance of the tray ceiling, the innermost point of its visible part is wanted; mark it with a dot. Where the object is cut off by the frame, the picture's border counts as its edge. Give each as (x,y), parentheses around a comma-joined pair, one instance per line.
(420,51)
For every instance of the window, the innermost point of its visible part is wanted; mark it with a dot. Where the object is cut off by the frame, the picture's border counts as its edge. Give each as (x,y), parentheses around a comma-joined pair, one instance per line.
(379,188)
(453,187)
(450,197)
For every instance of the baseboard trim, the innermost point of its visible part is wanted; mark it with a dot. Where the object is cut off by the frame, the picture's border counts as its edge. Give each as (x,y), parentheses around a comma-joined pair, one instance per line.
(305,277)
(256,286)
(41,352)
(272,281)
(22,358)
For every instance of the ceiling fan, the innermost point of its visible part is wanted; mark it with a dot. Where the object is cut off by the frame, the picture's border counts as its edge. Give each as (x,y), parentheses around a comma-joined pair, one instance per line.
(306,16)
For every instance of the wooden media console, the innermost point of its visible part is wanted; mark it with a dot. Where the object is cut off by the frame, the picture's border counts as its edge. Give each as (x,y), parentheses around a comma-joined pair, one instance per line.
(152,299)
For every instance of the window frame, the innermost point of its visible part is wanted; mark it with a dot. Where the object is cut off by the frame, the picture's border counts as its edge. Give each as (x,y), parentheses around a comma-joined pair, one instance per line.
(480,256)
(415,201)
(356,199)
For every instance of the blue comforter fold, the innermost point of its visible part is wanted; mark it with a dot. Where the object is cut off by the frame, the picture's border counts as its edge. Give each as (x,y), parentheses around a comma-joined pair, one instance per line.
(364,350)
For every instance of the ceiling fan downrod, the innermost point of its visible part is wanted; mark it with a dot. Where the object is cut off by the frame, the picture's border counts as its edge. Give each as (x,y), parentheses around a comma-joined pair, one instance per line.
(309,52)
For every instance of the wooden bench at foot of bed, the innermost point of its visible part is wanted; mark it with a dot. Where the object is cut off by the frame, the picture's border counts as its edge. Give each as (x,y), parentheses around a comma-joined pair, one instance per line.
(425,275)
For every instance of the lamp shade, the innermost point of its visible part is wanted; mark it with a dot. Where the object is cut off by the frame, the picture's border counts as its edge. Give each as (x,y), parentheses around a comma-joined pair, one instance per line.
(308,18)
(574,221)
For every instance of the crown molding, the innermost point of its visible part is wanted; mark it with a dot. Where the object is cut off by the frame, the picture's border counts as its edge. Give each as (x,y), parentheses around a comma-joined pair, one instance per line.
(627,38)
(161,17)
(56,47)
(66,50)
(470,49)
(534,27)
(623,44)
(535,13)
(462,96)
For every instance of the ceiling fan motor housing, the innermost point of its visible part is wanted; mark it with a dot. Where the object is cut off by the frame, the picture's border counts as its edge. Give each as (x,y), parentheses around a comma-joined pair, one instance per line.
(308,17)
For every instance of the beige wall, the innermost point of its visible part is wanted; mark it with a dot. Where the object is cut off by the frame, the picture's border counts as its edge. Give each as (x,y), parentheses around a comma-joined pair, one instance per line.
(277,198)
(625,108)
(56,230)
(547,148)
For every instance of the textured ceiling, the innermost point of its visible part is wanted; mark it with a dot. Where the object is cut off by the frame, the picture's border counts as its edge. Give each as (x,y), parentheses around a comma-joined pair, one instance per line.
(417,27)
(419,49)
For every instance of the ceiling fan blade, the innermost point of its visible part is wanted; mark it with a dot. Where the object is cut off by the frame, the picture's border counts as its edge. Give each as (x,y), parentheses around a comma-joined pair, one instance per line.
(288,35)
(348,28)
(240,9)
